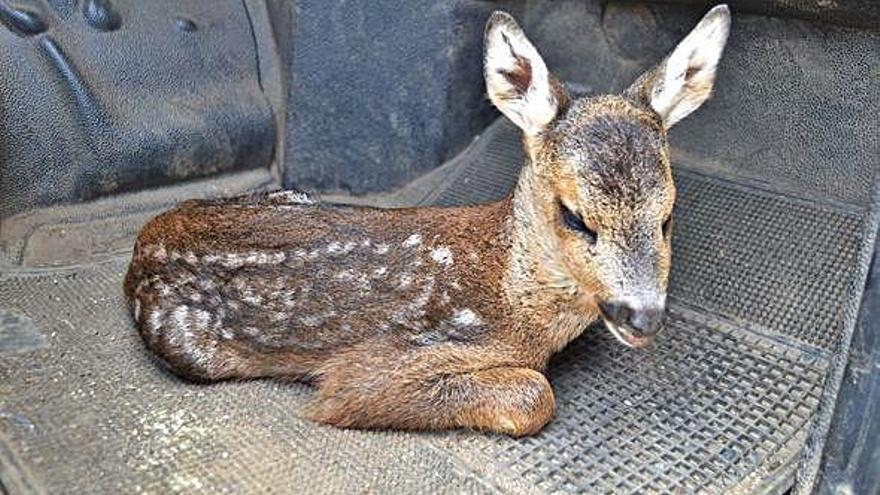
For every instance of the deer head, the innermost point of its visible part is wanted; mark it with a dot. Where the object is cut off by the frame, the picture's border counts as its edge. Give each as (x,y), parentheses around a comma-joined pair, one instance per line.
(593,208)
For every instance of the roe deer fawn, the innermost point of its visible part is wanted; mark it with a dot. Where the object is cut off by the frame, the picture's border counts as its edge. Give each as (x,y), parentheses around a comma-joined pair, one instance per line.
(432,318)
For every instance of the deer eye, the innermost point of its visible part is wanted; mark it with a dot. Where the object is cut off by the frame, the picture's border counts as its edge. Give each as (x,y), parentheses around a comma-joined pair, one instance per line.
(575,223)
(667,226)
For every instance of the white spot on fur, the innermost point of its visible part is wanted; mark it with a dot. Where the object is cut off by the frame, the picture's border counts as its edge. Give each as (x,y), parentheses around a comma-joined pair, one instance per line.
(233,261)
(363,283)
(412,241)
(313,321)
(188,322)
(202,318)
(412,312)
(180,315)
(137,309)
(334,248)
(237,260)
(379,272)
(361,280)
(286,298)
(365,243)
(267,258)
(405,280)
(349,246)
(157,252)
(184,280)
(465,318)
(381,248)
(155,321)
(188,256)
(162,287)
(295,197)
(251,298)
(442,255)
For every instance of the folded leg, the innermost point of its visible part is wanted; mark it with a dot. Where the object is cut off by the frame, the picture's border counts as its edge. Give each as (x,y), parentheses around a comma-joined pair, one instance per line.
(509,400)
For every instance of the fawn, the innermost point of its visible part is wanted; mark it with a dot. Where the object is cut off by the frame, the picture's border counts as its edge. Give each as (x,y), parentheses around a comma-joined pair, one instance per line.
(434,318)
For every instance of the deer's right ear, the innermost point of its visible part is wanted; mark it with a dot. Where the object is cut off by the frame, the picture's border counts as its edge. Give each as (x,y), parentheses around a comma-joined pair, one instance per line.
(517,79)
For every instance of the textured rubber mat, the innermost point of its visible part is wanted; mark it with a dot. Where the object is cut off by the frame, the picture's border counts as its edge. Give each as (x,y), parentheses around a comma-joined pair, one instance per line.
(91,413)
(722,404)
(786,265)
(71,234)
(704,409)
(711,408)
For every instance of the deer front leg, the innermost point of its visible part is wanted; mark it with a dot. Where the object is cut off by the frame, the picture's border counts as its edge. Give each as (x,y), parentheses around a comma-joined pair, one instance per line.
(513,401)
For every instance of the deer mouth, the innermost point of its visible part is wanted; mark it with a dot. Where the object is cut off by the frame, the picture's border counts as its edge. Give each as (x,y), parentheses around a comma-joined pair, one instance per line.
(627,336)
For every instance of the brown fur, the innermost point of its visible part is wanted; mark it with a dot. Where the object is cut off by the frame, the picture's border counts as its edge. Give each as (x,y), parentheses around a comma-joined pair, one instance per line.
(422,318)
(361,358)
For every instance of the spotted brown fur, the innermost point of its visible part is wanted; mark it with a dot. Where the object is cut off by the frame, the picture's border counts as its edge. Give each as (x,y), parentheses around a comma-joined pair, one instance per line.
(430,318)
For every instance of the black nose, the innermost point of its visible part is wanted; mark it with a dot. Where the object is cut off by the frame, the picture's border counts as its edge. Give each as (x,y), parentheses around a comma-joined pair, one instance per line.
(644,321)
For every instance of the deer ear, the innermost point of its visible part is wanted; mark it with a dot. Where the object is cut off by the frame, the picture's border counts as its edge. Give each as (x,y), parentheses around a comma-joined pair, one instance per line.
(517,79)
(684,80)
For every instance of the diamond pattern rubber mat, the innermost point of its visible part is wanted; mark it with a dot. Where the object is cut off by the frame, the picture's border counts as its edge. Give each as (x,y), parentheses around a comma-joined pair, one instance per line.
(703,411)
(722,403)
(91,413)
(784,264)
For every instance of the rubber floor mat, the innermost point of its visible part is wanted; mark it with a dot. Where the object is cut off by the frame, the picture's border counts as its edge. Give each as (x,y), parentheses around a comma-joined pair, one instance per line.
(723,403)
(91,413)
(709,409)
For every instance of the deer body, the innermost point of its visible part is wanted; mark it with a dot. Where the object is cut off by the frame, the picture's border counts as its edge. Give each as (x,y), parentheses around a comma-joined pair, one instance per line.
(429,318)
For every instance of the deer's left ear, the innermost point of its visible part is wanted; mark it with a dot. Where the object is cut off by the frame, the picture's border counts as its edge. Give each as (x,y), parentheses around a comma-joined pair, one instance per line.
(517,79)
(682,82)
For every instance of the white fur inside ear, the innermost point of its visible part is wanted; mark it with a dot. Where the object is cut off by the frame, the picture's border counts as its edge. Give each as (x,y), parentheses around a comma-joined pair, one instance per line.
(685,81)
(517,79)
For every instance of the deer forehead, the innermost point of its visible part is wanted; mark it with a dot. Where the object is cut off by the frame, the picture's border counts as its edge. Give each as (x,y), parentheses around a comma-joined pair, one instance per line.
(615,157)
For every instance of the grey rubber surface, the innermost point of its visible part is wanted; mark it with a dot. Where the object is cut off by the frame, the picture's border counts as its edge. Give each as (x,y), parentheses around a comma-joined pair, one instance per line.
(114,96)
(63,235)
(722,404)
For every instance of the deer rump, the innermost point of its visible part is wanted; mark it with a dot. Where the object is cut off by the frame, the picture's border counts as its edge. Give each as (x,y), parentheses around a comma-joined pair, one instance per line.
(254,286)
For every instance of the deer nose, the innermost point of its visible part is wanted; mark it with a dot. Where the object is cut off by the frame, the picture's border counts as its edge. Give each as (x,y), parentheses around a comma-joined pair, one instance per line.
(645,321)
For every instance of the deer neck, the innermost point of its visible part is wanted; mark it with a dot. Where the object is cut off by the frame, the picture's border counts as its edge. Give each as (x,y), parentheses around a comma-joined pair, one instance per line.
(538,287)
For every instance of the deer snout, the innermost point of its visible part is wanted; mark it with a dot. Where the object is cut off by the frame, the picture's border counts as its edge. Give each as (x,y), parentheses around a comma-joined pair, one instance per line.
(632,321)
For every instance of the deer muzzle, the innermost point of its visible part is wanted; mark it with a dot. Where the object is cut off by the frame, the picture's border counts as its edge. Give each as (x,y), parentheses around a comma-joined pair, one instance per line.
(634,321)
